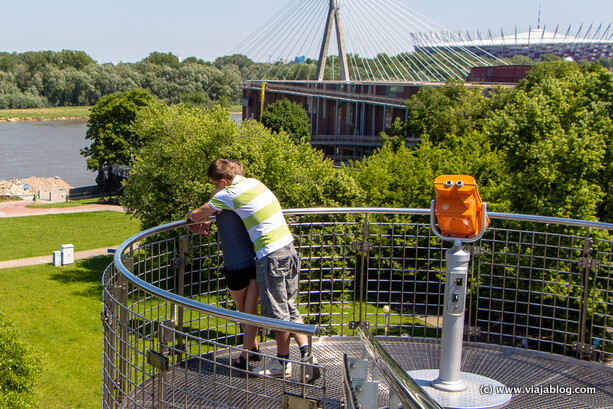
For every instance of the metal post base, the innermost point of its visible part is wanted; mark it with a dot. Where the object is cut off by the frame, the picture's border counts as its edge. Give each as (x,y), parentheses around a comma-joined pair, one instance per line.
(447,386)
(479,393)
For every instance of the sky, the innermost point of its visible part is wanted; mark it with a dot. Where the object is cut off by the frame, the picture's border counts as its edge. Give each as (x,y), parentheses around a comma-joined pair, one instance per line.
(129,30)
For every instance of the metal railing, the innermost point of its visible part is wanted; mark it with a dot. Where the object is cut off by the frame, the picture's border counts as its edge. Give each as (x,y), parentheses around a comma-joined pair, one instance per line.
(309,89)
(170,329)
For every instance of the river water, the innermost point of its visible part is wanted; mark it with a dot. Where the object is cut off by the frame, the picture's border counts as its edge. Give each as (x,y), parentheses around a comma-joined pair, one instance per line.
(47,149)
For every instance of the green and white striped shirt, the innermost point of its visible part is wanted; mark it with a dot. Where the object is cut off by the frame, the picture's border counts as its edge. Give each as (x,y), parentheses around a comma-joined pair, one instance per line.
(260,211)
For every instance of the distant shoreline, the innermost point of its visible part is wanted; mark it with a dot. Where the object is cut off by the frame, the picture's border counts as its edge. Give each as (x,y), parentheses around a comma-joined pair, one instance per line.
(61,118)
(51,114)
(44,114)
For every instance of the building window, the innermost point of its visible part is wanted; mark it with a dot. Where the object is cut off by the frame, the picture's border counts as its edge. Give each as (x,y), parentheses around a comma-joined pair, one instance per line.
(350,113)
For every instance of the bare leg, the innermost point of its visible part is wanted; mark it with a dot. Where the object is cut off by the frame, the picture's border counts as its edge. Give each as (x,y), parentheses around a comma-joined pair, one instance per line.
(282,339)
(252,298)
(246,300)
(301,339)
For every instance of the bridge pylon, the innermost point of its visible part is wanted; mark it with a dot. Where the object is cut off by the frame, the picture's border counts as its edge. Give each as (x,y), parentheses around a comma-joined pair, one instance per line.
(334,17)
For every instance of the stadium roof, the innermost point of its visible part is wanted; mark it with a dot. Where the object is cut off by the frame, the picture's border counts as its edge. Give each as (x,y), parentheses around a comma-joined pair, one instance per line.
(532,36)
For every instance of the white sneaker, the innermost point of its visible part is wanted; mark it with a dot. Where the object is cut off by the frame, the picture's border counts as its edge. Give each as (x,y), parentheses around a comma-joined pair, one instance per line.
(275,368)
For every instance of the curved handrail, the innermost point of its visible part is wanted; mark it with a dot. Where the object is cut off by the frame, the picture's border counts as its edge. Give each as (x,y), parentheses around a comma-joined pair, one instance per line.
(219,312)
(426,212)
(409,392)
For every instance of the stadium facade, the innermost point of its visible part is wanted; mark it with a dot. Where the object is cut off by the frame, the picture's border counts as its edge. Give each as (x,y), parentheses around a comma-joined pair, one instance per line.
(534,44)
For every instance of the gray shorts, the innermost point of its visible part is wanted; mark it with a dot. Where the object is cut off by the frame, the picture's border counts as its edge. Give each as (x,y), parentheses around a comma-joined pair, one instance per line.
(277,275)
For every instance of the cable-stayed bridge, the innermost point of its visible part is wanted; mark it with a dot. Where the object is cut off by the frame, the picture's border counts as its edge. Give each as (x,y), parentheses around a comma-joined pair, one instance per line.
(352,64)
(352,40)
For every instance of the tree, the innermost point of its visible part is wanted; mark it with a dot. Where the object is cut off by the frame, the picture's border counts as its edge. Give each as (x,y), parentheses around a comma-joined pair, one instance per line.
(448,111)
(168,59)
(18,369)
(290,117)
(168,176)
(75,59)
(397,176)
(7,62)
(109,127)
(236,59)
(555,131)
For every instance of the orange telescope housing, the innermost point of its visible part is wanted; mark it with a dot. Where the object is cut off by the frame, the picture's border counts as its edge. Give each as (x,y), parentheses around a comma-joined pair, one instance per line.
(458,206)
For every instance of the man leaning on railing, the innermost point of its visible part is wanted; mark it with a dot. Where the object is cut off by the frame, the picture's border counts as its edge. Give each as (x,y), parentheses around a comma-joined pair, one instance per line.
(278,262)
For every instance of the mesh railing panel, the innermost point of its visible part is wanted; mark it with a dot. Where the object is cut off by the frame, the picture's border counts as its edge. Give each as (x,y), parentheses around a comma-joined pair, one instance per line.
(535,286)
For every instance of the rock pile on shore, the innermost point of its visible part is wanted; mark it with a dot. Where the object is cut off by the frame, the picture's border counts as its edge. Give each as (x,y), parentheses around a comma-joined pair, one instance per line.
(16,187)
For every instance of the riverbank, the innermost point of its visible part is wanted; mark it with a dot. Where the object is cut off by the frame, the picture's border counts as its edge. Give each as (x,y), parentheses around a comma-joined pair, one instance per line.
(44,114)
(30,186)
(59,113)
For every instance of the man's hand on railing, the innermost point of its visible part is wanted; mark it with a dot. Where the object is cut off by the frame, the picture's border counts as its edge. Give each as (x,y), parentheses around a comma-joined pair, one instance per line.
(200,228)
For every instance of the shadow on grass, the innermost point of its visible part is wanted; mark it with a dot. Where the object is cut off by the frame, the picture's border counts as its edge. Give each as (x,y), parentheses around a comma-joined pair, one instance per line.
(87,271)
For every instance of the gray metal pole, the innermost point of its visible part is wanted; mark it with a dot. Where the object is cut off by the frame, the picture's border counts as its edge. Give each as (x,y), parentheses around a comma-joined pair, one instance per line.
(453,320)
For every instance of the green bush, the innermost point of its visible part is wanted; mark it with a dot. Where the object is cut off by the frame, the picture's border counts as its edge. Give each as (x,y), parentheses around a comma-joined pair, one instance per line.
(18,369)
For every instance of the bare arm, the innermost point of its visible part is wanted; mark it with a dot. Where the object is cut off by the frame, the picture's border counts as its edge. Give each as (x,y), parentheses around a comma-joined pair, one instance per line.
(200,214)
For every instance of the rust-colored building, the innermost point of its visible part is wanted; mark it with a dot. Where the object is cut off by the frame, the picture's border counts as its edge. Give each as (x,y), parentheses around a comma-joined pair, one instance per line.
(499,74)
(347,118)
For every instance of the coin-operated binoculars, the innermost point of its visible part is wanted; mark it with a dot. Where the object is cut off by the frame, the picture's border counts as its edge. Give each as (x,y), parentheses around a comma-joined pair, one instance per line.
(461,214)
(462,217)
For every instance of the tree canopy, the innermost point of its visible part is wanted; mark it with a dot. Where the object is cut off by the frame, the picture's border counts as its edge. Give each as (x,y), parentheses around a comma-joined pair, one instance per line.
(109,127)
(168,176)
(48,78)
(290,117)
(543,147)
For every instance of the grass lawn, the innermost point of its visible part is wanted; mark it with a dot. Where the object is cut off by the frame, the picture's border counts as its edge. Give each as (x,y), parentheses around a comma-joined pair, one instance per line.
(33,236)
(57,311)
(45,113)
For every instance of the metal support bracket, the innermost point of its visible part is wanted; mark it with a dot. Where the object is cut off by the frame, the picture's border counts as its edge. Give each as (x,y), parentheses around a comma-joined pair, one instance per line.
(362,246)
(588,262)
(106,317)
(365,392)
(355,324)
(587,349)
(166,333)
(157,360)
(476,251)
(180,262)
(472,331)
(289,401)
(115,291)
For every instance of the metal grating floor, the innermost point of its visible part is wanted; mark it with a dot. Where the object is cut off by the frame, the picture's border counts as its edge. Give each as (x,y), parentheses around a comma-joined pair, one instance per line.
(512,367)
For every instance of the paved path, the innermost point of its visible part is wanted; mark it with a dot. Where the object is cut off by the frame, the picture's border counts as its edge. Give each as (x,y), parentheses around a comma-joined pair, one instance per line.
(19,209)
(32,261)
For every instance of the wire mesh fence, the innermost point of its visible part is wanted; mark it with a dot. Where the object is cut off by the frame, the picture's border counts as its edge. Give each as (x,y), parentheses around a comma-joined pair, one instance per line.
(169,341)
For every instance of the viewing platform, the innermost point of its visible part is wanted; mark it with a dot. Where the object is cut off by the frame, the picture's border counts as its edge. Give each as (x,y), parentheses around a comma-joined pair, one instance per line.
(538,320)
